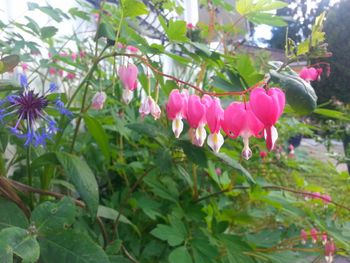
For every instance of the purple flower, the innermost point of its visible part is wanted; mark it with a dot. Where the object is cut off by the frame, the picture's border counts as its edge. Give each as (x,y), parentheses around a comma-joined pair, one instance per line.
(53,87)
(23,80)
(33,123)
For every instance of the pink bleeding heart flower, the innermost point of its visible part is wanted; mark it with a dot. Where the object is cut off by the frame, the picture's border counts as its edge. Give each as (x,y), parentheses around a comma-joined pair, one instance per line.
(96,16)
(324,238)
(268,106)
(176,109)
(218,171)
(329,250)
(214,116)
(263,154)
(303,236)
(196,117)
(314,235)
(239,120)
(70,76)
(25,67)
(98,100)
(326,199)
(52,71)
(74,56)
(149,106)
(64,54)
(120,45)
(310,74)
(132,49)
(316,195)
(82,54)
(190,26)
(206,100)
(61,72)
(128,77)
(291,151)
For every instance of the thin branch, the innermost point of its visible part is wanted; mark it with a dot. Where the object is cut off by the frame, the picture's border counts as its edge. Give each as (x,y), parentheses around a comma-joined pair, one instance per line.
(270,187)
(158,72)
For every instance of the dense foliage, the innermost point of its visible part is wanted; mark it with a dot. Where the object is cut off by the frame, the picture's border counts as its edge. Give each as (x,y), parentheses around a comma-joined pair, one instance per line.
(92,172)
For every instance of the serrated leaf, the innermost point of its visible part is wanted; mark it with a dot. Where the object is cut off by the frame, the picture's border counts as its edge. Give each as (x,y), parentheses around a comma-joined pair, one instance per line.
(112,214)
(83,179)
(48,31)
(266,19)
(132,8)
(173,234)
(180,254)
(75,12)
(235,165)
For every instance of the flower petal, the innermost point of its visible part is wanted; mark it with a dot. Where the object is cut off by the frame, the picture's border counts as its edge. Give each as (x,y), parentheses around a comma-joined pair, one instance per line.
(215,141)
(177,127)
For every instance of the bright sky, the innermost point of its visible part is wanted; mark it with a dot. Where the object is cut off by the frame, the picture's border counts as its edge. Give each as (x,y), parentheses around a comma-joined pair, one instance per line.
(264,31)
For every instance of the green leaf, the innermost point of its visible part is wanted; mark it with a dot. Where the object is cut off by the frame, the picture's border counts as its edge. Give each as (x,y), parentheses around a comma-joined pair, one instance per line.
(105,30)
(175,30)
(55,13)
(175,234)
(11,215)
(195,154)
(75,12)
(83,179)
(202,47)
(266,19)
(112,214)
(235,248)
(299,94)
(18,241)
(8,85)
(244,6)
(180,254)
(235,165)
(223,84)
(32,6)
(69,246)
(48,31)
(51,217)
(266,238)
(132,8)
(144,128)
(332,114)
(43,160)
(8,63)
(98,133)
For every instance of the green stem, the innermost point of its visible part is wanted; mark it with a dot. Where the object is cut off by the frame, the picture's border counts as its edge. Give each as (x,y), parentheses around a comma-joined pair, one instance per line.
(195,182)
(29,174)
(82,110)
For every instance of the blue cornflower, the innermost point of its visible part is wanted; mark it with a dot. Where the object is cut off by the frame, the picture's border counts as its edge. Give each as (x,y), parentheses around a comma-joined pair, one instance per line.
(33,124)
